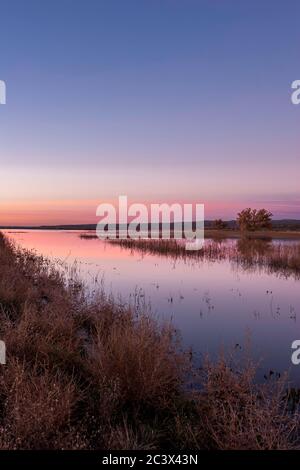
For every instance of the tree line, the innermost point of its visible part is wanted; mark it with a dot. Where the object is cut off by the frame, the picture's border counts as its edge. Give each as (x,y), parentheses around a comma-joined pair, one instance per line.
(249,220)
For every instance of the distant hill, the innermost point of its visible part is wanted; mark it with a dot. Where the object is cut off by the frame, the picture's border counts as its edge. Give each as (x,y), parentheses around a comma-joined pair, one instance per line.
(282,224)
(286,224)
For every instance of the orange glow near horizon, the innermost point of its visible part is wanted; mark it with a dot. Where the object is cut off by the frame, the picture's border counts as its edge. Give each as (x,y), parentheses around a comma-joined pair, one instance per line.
(52,212)
(76,212)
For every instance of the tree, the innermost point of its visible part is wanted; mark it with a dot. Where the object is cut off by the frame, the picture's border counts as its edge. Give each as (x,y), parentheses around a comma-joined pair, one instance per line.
(252,219)
(219,224)
(264,219)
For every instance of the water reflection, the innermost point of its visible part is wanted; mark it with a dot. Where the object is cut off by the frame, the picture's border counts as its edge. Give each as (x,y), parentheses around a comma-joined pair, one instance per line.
(253,248)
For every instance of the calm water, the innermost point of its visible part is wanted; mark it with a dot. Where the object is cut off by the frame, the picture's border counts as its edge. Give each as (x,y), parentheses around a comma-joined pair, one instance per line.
(215,305)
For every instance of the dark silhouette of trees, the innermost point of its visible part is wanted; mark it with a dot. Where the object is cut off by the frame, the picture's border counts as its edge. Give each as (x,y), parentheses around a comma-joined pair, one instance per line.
(219,224)
(250,220)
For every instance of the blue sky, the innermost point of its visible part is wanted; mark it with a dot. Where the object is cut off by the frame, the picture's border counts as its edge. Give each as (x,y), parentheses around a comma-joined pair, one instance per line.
(157,99)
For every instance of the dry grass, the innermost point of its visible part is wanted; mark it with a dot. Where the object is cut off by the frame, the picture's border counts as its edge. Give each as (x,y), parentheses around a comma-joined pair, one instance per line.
(237,414)
(90,374)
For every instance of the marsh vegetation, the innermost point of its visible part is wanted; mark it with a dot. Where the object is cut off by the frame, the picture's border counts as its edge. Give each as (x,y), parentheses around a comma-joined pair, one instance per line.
(247,253)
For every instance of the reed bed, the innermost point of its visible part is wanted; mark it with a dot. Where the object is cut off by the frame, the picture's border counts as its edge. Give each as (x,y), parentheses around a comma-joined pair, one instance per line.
(246,253)
(88,236)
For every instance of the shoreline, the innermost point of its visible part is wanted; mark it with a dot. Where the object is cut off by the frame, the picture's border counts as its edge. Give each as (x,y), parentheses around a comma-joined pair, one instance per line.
(208,232)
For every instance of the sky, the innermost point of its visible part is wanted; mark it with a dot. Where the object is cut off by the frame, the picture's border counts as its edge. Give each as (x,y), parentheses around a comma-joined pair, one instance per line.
(159,100)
